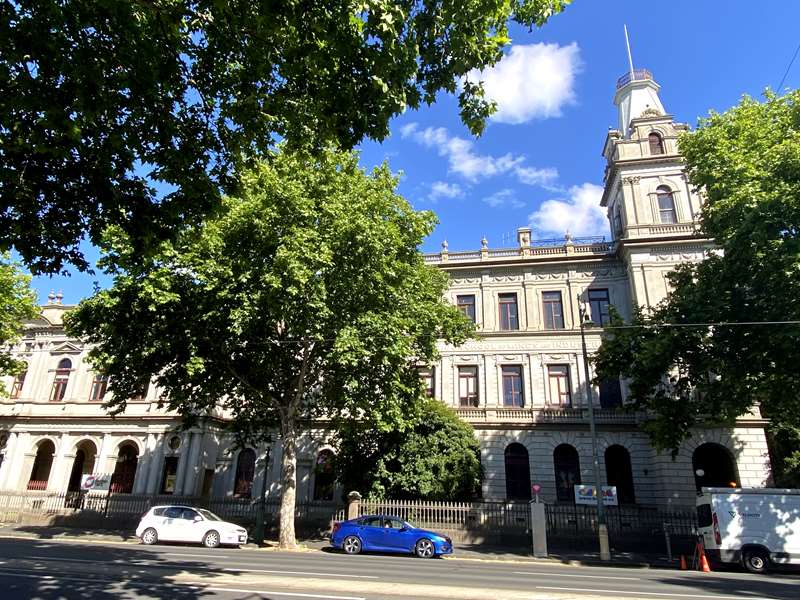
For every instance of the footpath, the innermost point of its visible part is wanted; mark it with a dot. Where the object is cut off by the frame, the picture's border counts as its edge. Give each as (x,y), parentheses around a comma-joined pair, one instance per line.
(461,551)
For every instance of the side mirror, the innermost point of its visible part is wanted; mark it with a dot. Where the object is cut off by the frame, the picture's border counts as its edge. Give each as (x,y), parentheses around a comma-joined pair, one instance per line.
(198,518)
(402,529)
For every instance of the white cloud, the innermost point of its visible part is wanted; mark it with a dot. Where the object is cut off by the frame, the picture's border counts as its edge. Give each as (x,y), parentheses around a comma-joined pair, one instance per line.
(465,161)
(580,213)
(534,176)
(532,81)
(442,189)
(505,197)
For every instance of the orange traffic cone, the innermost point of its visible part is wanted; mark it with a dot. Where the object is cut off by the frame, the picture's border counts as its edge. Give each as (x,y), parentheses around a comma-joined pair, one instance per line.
(683,562)
(704,566)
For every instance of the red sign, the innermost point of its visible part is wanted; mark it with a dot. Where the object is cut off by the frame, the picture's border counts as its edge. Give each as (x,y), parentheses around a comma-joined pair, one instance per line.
(536,488)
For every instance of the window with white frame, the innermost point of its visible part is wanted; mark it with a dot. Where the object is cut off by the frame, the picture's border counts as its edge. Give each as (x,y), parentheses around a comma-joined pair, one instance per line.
(560,386)
(468,386)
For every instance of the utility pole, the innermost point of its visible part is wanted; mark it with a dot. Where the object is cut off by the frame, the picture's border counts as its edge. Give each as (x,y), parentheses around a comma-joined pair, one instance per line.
(602,528)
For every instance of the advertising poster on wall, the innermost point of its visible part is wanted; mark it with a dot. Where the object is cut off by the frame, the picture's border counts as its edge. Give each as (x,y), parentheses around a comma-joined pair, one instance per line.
(96,482)
(586,494)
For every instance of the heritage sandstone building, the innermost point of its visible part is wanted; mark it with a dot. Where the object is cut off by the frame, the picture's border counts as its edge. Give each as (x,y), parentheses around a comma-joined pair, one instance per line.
(521,385)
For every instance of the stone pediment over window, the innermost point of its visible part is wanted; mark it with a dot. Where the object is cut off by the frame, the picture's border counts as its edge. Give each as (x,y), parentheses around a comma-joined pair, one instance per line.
(651,112)
(65,348)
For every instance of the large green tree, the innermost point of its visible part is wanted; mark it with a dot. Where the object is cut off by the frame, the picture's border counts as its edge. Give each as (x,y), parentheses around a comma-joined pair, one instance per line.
(305,297)
(436,457)
(17,305)
(746,163)
(137,113)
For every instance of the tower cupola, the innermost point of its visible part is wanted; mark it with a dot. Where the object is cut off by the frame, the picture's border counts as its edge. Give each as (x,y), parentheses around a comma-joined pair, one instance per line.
(637,96)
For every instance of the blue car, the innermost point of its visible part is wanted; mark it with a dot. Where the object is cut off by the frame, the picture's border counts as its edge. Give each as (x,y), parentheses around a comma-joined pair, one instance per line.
(388,534)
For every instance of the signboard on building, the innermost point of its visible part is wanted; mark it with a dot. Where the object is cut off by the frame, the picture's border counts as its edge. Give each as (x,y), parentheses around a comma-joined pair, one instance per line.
(586,494)
(96,482)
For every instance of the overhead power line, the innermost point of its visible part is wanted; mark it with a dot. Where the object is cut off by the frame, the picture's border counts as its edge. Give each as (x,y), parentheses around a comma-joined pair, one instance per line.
(791,62)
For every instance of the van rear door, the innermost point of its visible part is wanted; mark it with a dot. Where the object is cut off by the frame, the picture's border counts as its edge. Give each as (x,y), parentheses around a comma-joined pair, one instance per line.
(705,522)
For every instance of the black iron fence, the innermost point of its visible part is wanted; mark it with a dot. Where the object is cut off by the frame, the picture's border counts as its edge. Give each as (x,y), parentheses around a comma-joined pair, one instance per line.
(630,528)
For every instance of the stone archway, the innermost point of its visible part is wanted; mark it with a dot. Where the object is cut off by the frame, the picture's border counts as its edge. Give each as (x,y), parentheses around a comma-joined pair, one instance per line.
(125,468)
(714,466)
(82,464)
(42,465)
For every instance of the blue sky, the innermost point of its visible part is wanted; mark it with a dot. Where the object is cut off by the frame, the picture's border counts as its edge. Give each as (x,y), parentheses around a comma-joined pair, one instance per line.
(538,162)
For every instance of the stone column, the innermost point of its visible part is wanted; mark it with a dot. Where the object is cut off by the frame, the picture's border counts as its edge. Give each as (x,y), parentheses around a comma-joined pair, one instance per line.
(9,454)
(353,505)
(190,465)
(157,455)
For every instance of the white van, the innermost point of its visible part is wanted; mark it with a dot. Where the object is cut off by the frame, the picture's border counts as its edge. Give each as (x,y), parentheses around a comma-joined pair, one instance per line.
(755,526)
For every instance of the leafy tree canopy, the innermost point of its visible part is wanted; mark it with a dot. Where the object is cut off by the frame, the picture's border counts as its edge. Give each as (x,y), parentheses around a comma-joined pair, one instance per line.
(746,161)
(437,457)
(305,297)
(138,113)
(17,305)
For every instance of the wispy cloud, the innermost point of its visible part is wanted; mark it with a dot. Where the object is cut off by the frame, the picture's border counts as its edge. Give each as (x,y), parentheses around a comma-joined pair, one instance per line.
(504,197)
(464,160)
(532,81)
(443,189)
(579,212)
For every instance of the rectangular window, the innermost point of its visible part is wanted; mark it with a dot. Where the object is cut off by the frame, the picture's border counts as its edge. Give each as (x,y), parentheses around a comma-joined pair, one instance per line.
(141,393)
(598,307)
(610,393)
(466,304)
(428,377)
(99,385)
(666,207)
(16,387)
(468,386)
(509,320)
(553,310)
(59,389)
(512,386)
(560,387)
(170,475)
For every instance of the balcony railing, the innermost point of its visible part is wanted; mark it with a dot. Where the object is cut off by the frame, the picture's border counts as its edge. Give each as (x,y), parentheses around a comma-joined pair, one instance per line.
(38,486)
(546,415)
(635,75)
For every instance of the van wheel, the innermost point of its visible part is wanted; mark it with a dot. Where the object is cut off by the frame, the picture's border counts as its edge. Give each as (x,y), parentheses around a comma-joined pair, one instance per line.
(756,560)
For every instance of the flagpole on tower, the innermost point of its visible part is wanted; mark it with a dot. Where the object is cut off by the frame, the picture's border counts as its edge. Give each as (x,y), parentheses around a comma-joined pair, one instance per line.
(628,45)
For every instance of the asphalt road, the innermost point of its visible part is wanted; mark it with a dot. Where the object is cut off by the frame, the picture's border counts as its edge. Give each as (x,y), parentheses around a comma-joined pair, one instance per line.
(75,569)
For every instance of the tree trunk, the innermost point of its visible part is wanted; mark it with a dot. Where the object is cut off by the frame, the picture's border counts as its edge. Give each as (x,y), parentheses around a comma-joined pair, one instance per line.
(286,537)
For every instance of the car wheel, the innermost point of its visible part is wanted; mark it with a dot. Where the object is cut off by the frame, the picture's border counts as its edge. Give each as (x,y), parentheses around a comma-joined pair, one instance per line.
(351,544)
(211,539)
(756,560)
(424,548)
(149,536)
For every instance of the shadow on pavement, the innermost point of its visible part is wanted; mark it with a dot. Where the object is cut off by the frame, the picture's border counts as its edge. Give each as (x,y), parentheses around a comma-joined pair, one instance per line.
(46,532)
(41,569)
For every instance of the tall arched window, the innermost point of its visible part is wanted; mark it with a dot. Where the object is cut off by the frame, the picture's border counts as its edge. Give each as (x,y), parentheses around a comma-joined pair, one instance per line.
(656,143)
(125,469)
(324,477)
(666,205)
(567,467)
(40,472)
(61,379)
(16,387)
(518,473)
(83,464)
(714,466)
(619,473)
(245,473)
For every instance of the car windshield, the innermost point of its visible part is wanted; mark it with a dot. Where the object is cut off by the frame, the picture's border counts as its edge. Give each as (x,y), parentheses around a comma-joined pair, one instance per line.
(208,515)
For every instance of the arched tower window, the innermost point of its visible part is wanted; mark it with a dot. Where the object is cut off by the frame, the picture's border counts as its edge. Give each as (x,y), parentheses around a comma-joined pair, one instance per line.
(567,468)
(245,473)
(324,477)
(656,143)
(40,472)
(714,466)
(125,469)
(666,205)
(61,379)
(619,473)
(518,473)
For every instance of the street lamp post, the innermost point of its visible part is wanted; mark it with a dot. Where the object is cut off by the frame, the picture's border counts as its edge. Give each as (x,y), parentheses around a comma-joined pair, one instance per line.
(602,528)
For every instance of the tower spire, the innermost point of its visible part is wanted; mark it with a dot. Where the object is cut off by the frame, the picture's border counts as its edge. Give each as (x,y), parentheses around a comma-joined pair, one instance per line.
(628,46)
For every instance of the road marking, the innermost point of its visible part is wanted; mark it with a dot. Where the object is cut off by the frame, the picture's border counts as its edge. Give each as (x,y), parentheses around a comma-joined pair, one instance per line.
(301,573)
(274,593)
(644,594)
(570,575)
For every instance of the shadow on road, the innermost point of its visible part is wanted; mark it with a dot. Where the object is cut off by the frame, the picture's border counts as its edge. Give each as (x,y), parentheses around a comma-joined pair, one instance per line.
(99,572)
(47,532)
(783,586)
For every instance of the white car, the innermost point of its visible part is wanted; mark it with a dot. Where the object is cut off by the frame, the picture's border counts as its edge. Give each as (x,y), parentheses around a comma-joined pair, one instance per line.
(188,524)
